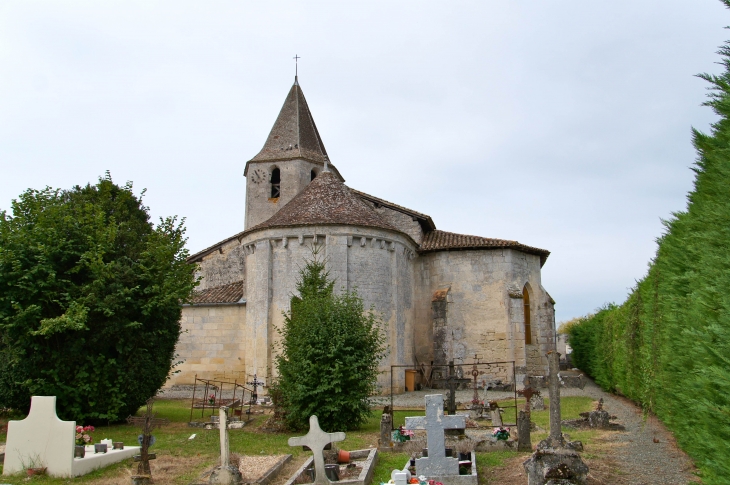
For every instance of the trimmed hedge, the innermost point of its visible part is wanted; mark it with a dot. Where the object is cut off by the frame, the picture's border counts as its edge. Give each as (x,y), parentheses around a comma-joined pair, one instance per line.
(668,346)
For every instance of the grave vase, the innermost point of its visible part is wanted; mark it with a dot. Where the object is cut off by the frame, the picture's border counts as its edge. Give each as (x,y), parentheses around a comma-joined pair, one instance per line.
(79,451)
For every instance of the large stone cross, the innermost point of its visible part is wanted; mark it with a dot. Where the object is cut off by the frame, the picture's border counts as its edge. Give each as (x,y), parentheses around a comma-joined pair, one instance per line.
(316,440)
(437,464)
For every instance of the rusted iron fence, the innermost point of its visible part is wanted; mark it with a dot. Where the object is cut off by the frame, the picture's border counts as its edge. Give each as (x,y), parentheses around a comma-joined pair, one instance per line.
(496,376)
(214,393)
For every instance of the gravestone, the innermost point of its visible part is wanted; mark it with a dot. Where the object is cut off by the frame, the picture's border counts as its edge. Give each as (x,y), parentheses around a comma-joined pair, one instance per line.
(537,403)
(496,414)
(225,473)
(555,461)
(43,438)
(524,420)
(437,464)
(386,428)
(316,440)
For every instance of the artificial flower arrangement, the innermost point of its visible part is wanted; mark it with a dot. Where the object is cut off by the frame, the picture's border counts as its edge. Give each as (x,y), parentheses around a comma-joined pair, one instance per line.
(400,435)
(502,434)
(83,436)
(211,399)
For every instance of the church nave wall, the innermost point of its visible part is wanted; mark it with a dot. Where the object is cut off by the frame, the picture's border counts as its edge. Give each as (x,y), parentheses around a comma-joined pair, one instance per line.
(210,343)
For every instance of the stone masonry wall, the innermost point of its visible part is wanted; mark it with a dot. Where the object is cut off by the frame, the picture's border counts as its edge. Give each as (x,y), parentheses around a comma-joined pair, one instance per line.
(211,342)
(374,262)
(222,266)
(481,318)
(399,220)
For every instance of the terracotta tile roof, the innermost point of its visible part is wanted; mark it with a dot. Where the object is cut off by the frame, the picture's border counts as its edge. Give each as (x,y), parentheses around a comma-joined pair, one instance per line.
(230,293)
(446,241)
(325,201)
(423,219)
(294,134)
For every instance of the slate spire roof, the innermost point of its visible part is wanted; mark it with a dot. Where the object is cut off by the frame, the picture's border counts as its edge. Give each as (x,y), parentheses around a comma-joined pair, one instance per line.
(294,134)
(325,201)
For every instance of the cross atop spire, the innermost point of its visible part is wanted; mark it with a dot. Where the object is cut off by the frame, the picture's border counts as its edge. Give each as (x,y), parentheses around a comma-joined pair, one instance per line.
(296,68)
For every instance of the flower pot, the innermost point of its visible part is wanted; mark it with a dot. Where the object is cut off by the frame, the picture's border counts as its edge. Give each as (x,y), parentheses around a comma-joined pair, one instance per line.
(35,471)
(100,448)
(449,452)
(79,451)
(464,456)
(424,453)
(118,445)
(343,456)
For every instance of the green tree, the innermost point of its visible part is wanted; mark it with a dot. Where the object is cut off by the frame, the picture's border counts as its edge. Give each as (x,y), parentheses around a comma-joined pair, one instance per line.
(330,349)
(90,294)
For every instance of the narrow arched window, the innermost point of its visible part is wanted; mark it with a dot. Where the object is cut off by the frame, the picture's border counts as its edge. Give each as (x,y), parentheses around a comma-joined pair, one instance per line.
(312,175)
(275,183)
(528,326)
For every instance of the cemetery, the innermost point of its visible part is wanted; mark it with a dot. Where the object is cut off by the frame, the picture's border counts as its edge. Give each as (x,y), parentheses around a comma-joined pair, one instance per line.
(159,444)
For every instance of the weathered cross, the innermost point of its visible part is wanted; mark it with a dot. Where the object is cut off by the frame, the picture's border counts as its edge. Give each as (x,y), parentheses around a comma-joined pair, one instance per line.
(437,463)
(316,440)
(527,393)
(452,382)
(475,374)
(148,422)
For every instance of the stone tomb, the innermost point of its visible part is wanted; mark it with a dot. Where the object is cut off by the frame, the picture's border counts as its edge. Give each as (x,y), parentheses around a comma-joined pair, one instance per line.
(316,440)
(43,440)
(438,466)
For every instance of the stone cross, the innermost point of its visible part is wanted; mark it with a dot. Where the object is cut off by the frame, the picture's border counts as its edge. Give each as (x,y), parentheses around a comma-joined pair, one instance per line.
(225,449)
(225,474)
(316,440)
(437,464)
(556,432)
(452,382)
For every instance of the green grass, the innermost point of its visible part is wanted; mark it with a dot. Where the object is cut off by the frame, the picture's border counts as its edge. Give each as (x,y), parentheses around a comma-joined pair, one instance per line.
(174,440)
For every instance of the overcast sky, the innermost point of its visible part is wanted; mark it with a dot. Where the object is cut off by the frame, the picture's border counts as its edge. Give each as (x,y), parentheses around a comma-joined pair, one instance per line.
(565,125)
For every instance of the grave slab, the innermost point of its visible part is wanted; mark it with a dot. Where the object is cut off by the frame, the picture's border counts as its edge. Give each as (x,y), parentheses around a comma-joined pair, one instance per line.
(43,438)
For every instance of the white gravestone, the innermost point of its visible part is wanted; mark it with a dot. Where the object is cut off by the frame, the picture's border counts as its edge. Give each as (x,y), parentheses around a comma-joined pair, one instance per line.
(43,440)
(437,464)
(316,440)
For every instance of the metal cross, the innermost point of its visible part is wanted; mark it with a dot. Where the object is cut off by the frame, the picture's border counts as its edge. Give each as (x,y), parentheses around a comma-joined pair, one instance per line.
(148,422)
(296,64)
(255,383)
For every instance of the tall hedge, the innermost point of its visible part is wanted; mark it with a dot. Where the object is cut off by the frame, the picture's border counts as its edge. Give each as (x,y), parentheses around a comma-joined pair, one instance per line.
(668,346)
(90,294)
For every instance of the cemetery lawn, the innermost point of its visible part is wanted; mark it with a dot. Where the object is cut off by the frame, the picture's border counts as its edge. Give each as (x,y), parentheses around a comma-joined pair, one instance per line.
(181,460)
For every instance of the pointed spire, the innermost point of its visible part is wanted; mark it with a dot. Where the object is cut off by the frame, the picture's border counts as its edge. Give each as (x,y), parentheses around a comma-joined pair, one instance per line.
(294,134)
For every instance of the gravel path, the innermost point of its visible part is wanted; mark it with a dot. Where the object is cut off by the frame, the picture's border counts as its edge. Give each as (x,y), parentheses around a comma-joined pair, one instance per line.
(646,452)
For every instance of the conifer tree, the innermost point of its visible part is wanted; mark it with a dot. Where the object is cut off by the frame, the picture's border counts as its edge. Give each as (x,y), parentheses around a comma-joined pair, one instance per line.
(330,349)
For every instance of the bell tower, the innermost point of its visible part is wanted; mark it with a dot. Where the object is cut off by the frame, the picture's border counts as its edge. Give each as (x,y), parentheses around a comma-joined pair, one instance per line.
(292,156)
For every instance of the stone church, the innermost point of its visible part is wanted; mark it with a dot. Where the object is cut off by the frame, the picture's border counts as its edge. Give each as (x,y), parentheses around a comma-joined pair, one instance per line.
(444,296)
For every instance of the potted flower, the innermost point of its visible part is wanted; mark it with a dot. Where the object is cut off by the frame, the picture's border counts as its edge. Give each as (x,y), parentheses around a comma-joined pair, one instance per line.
(211,399)
(83,438)
(502,434)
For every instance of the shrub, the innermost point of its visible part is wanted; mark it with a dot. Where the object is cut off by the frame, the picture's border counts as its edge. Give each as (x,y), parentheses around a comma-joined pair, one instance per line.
(330,348)
(90,300)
